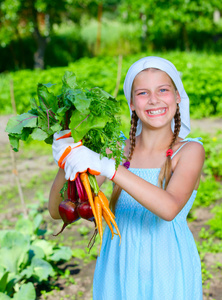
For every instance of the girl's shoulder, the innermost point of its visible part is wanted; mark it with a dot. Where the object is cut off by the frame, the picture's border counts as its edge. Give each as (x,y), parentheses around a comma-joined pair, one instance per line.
(194,143)
(188,150)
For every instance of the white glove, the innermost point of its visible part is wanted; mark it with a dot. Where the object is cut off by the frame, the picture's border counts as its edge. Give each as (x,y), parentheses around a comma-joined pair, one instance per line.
(62,145)
(82,159)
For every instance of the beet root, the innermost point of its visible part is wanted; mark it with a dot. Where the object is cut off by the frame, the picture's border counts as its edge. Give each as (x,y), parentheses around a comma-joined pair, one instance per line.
(68,212)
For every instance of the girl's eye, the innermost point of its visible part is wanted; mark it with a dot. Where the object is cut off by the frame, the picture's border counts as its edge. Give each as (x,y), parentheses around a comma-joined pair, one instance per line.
(163,90)
(142,93)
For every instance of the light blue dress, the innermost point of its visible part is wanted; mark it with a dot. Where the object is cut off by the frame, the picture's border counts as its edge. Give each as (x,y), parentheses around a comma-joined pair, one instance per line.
(157,259)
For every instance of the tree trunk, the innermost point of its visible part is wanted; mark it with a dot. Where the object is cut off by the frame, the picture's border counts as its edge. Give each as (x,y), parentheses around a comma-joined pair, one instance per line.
(98,39)
(186,43)
(40,52)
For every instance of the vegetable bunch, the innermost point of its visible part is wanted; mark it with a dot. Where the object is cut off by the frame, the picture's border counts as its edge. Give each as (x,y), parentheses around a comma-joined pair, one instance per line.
(87,201)
(92,116)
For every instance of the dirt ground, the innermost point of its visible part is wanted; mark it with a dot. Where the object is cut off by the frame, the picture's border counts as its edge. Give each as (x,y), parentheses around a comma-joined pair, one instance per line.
(82,272)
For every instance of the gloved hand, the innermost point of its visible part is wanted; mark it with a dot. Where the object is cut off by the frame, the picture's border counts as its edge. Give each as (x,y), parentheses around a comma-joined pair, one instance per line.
(82,159)
(62,145)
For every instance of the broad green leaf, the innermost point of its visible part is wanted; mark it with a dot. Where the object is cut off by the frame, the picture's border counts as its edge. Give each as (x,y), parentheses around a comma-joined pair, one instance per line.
(46,246)
(34,105)
(24,226)
(14,141)
(39,135)
(37,221)
(81,102)
(3,282)
(37,251)
(2,234)
(81,123)
(48,85)
(63,253)
(79,253)
(4,297)
(49,140)
(41,268)
(69,81)
(11,258)
(47,100)
(13,239)
(56,127)
(17,123)
(61,111)
(28,272)
(26,292)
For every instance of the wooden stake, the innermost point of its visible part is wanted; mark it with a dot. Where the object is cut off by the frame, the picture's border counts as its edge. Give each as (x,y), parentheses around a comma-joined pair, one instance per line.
(14,165)
(118,78)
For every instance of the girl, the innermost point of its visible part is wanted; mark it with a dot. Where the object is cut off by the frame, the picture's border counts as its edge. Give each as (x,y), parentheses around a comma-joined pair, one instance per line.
(154,191)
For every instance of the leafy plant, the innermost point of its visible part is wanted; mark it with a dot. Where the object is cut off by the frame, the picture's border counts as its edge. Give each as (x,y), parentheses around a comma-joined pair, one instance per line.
(216,222)
(208,192)
(90,114)
(27,258)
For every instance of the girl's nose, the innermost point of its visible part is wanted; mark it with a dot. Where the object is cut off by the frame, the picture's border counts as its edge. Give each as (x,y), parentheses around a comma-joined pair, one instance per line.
(153,99)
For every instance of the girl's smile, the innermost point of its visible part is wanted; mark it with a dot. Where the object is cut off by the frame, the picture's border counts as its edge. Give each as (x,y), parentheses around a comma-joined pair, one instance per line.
(156,112)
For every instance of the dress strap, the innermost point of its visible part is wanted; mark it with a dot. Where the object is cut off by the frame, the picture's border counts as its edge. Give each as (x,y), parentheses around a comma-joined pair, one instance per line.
(123,138)
(187,140)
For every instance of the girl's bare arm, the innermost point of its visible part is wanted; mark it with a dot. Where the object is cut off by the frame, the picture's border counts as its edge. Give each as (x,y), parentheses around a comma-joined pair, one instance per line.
(54,196)
(166,203)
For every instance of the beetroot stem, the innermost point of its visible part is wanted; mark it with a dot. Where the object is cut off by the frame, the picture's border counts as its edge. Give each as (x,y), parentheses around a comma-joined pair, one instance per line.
(63,227)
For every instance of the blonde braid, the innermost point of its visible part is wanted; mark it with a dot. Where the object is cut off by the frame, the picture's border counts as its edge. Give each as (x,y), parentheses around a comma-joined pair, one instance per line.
(166,170)
(132,137)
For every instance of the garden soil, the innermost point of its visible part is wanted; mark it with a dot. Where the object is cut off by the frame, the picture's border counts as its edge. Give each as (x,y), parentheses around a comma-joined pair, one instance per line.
(79,285)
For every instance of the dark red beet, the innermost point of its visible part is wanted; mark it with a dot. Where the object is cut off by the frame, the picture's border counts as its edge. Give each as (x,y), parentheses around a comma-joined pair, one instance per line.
(81,190)
(71,191)
(68,213)
(85,211)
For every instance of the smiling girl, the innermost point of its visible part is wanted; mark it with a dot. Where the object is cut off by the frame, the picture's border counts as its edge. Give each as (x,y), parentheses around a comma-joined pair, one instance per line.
(153,193)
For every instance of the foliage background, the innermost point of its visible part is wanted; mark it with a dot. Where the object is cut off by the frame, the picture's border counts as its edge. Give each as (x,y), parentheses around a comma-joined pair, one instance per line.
(39,41)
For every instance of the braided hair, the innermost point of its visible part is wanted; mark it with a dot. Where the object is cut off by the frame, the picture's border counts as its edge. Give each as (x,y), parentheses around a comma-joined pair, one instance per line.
(165,172)
(132,137)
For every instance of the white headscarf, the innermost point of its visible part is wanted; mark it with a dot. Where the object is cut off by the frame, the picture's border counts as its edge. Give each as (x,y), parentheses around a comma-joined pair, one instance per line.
(169,68)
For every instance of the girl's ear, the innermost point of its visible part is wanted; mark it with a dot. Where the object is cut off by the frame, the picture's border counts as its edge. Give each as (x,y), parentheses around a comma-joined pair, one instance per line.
(178,98)
(132,105)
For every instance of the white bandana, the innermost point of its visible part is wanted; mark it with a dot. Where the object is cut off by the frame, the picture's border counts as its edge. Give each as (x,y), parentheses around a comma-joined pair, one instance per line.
(169,68)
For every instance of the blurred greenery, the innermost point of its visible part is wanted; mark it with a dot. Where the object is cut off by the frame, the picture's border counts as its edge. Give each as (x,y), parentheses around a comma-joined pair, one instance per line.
(200,74)
(38,34)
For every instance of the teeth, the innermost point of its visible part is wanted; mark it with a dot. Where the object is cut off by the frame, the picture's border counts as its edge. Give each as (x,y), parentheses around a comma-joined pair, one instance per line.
(156,112)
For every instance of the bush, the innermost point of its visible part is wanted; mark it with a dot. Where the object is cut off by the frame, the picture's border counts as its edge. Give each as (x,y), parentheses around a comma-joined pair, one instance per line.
(200,75)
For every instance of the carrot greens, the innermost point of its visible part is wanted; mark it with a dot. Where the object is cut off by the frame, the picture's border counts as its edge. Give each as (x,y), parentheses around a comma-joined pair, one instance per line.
(91,114)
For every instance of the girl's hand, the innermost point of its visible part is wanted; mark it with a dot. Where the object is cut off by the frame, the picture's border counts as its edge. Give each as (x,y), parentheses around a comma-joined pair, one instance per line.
(62,145)
(82,159)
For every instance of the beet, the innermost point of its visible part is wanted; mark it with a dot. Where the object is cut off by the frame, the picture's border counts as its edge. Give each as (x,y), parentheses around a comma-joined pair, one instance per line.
(85,211)
(68,212)
(83,197)
(71,191)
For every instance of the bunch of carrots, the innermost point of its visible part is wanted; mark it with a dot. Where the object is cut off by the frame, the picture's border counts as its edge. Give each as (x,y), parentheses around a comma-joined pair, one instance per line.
(99,204)
(86,200)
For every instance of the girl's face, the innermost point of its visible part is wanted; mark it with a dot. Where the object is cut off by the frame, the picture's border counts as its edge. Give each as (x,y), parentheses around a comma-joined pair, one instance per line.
(154,98)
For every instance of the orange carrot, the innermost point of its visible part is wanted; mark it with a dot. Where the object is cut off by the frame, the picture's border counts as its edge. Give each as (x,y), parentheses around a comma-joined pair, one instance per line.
(106,201)
(85,181)
(106,218)
(98,208)
(108,211)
